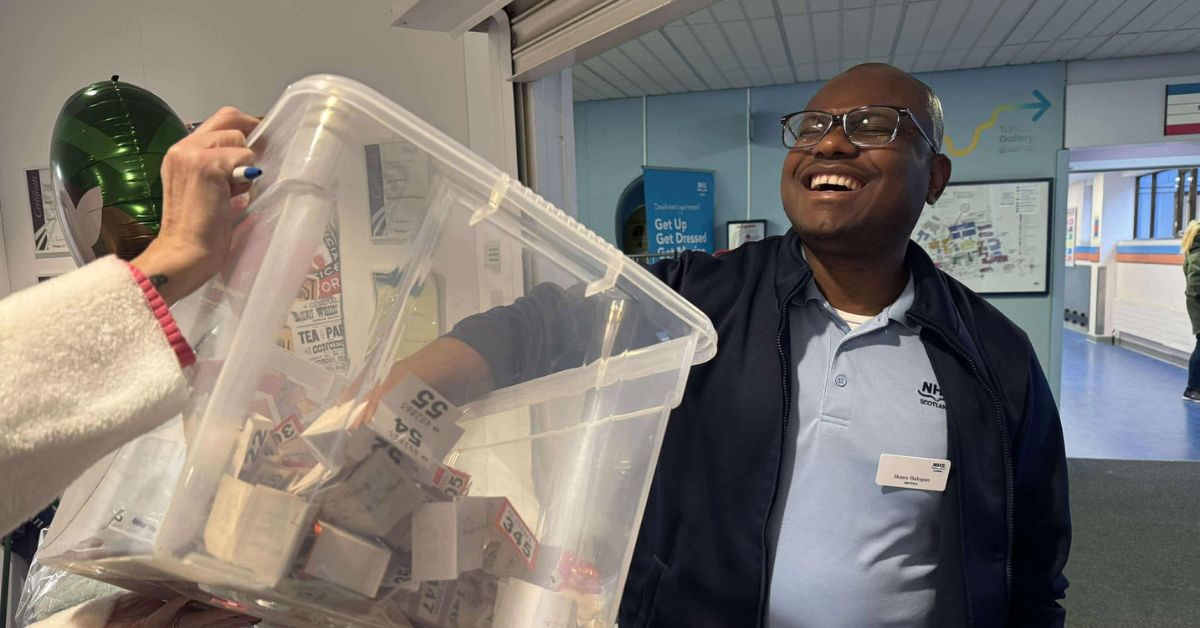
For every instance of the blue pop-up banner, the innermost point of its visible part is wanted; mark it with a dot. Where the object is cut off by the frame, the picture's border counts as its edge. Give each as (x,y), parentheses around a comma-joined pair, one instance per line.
(679,209)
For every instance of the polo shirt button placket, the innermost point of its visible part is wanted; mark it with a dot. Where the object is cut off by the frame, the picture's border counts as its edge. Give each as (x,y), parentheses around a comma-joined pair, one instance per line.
(841,381)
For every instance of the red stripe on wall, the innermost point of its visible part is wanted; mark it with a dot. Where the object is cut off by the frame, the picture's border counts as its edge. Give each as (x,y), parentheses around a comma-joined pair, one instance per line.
(1182,129)
(1150,258)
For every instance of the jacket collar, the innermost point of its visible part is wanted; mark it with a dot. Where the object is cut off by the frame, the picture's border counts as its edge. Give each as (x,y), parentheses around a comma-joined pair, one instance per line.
(932,304)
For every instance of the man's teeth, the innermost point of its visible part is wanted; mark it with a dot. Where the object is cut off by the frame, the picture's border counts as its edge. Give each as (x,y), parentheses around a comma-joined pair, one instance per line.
(818,180)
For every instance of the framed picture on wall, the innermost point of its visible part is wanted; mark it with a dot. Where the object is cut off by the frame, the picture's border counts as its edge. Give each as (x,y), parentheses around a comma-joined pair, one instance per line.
(48,237)
(739,232)
(994,236)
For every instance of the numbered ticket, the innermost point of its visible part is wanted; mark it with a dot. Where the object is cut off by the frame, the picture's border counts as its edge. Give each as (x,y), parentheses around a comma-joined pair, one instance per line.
(419,421)
(347,560)
(375,496)
(470,533)
(256,527)
(254,444)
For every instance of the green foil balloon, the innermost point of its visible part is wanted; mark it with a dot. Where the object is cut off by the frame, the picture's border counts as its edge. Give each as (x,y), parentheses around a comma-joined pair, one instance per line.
(108,146)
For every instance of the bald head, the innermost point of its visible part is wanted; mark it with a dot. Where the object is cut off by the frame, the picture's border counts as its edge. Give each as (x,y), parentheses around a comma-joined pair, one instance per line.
(883,84)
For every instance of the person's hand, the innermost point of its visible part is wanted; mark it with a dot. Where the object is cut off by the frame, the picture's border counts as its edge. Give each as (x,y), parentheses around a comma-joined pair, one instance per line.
(138,611)
(200,204)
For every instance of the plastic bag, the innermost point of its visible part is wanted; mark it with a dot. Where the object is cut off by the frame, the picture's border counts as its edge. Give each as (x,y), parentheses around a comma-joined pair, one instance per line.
(48,591)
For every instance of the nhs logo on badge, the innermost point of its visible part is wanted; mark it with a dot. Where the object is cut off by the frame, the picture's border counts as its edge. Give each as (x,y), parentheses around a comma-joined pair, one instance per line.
(702,187)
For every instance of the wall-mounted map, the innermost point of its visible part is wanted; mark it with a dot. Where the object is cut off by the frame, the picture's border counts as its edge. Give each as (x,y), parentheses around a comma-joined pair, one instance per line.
(994,237)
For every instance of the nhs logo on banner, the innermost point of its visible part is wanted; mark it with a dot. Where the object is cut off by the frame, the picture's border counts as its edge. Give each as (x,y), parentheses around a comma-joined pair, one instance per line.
(679,209)
(1183,109)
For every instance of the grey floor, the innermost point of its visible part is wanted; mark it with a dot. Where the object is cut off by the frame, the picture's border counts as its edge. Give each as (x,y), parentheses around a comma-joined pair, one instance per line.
(1135,556)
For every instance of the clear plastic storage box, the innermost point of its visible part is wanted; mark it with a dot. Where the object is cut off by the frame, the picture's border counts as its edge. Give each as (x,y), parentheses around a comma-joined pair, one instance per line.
(423,396)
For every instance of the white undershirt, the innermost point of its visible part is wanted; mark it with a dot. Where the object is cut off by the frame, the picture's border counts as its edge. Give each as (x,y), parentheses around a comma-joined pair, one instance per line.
(853,320)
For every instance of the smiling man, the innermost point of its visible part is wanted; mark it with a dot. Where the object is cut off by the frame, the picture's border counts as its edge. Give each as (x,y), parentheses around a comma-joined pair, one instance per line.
(873,444)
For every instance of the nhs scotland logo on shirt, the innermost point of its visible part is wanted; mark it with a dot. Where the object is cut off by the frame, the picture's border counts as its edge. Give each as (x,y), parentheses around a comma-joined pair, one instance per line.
(931,395)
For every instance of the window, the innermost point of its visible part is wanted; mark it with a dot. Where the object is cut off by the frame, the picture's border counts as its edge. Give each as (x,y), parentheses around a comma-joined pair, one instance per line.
(1164,203)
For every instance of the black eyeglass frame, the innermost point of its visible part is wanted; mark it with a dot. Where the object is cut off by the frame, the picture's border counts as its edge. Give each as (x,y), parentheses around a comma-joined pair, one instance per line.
(839,119)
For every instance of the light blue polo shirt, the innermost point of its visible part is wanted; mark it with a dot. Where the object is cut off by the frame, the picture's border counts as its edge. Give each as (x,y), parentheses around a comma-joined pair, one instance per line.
(850,553)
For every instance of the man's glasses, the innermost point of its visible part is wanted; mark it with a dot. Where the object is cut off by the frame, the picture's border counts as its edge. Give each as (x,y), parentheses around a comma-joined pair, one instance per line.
(873,125)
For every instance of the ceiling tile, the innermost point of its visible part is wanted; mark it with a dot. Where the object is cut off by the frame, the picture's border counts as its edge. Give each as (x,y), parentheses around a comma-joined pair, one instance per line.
(737,78)
(927,61)
(1168,42)
(1185,13)
(827,33)
(582,73)
(641,56)
(1150,16)
(744,43)
(759,8)
(916,23)
(1034,20)
(759,76)
(612,76)
(793,7)
(951,59)
(1140,44)
(1096,13)
(1189,44)
(658,44)
(1058,50)
(1004,55)
(1031,52)
(1112,46)
(782,74)
(806,72)
(799,39)
(691,50)
(1067,14)
(766,31)
(945,22)
(713,40)
(1121,16)
(1005,20)
(974,23)
(884,26)
(817,6)
(856,27)
(583,92)
(977,57)
(1086,46)
(883,59)
(904,62)
(856,4)
(630,70)
(828,69)
(727,11)
(1194,23)
(703,16)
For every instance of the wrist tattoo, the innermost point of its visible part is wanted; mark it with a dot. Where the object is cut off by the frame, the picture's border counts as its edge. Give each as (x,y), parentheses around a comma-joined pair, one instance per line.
(157,280)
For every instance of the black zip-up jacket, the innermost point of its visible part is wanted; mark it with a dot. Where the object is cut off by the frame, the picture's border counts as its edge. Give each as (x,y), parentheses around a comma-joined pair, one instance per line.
(703,555)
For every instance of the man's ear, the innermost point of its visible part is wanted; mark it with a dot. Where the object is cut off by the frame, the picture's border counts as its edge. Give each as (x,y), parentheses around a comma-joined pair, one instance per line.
(939,176)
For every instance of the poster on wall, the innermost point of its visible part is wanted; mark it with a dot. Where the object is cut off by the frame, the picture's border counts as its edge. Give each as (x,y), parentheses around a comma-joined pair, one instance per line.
(679,209)
(48,238)
(992,236)
(398,190)
(315,328)
(1072,212)
(423,322)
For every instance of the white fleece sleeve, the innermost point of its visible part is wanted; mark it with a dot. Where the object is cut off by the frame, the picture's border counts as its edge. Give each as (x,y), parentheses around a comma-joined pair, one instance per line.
(85,366)
(90,614)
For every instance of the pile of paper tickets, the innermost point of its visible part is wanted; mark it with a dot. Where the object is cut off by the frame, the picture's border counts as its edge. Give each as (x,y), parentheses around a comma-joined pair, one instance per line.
(354,510)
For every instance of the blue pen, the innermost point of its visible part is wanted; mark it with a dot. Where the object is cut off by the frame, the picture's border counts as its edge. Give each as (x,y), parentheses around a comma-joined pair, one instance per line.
(244,174)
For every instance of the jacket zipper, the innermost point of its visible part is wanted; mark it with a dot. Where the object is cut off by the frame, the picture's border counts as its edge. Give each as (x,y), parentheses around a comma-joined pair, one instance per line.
(785,363)
(1005,442)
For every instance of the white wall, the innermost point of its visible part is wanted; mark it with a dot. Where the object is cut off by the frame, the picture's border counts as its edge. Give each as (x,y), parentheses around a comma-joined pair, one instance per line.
(1150,304)
(1122,101)
(197,56)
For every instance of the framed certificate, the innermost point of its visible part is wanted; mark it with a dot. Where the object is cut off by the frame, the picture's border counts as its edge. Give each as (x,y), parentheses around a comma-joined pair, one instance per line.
(740,232)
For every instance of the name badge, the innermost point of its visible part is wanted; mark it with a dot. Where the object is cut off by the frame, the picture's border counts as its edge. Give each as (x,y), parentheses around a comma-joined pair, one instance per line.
(926,474)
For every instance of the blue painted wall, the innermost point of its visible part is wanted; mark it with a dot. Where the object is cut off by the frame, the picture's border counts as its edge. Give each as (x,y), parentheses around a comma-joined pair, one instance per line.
(736,134)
